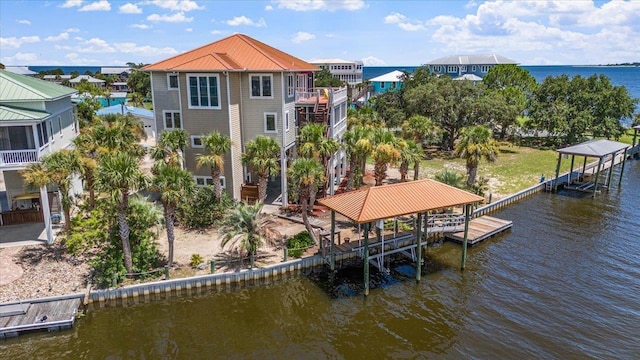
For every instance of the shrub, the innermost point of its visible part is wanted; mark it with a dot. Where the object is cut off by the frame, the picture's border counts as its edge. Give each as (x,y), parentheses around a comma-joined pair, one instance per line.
(196,259)
(203,209)
(299,243)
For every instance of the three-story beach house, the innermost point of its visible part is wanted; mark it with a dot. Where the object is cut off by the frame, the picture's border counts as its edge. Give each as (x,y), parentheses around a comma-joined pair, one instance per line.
(37,118)
(243,88)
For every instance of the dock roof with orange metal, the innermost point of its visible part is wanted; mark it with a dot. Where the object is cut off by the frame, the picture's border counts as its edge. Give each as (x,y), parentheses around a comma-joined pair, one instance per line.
(388,201)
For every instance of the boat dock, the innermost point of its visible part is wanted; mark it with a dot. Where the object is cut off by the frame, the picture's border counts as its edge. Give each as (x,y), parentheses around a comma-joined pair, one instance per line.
(51,315)
(480,229)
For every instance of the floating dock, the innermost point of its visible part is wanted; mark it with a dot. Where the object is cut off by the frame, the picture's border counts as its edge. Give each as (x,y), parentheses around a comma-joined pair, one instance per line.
(52,315)
(480,229)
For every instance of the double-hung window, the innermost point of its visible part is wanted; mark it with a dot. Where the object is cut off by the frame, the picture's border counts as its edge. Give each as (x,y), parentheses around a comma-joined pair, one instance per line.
(261,86)
(452,68)
(485,68)
(172,81)
(270,125)
(203,91)
(286,120)
(290,85)
(172,119)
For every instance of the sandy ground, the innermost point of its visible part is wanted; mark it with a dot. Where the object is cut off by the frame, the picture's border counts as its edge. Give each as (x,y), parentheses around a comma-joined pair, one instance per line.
(38,270)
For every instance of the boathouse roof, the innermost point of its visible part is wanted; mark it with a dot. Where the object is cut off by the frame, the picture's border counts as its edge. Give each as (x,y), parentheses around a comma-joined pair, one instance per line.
(388,201)
(594,148)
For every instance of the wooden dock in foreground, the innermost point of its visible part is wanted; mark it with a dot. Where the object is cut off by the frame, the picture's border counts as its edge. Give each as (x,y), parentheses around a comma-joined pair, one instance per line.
(51,315)
(480,229)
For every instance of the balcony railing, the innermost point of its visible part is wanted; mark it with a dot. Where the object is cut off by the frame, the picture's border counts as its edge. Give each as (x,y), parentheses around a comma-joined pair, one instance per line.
(322,95)
(15,157)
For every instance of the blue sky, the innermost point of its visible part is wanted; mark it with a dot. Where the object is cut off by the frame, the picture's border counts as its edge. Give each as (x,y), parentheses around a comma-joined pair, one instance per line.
(110,32)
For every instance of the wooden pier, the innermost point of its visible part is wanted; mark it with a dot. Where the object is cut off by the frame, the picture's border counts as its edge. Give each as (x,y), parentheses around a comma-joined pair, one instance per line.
(480,229)
(53,315)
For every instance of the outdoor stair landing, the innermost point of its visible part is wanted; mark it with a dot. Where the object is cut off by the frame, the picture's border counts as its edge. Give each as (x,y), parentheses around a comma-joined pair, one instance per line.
(480,229)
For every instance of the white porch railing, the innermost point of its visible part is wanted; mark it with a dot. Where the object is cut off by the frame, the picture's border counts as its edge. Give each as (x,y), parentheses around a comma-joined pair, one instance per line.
(339,95)
(11,157)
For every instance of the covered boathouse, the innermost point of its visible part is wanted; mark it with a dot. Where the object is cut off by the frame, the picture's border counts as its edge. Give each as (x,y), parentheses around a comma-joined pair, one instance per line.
(373,205)
(587,177)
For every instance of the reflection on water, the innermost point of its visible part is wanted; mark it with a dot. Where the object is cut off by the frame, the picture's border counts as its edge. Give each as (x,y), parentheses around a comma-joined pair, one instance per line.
(564,283)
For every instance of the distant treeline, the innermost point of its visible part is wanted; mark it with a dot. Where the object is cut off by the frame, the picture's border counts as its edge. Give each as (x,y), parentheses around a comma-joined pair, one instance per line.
(625,64)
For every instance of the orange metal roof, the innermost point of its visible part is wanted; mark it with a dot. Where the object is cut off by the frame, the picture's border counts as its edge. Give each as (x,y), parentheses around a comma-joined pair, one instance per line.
(234,53)
(388,201)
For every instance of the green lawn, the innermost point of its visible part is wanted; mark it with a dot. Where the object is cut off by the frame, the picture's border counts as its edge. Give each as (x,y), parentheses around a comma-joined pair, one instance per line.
(515,169)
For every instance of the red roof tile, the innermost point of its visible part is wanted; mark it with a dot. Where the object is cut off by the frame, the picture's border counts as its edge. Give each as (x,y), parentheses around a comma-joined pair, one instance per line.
(234,53)
(385,202)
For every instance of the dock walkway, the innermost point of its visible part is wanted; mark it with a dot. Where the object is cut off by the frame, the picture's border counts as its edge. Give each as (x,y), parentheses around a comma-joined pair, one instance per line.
(480,229)
(53,315)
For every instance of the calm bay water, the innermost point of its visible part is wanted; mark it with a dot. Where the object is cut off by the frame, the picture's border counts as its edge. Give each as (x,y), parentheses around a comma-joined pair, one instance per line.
(564,283)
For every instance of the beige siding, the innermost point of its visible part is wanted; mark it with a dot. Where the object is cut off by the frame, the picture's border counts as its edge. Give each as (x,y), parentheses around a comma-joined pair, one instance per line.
(163,98)
(253,109)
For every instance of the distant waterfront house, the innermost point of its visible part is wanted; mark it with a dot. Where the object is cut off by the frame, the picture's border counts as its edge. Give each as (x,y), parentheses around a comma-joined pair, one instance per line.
(350,72)
(457,66)
(121,72)
(144,115)
(56,79)
(243,88)
(99,83)
(119,86)
(387,82)
(36,118)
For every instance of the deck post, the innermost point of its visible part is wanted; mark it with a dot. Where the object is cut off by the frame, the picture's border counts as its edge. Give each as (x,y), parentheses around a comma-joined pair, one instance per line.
(467,211)
(555,183)
(419,254)
(584,167)
(610,173)
(573,157)
(379,226)
(635,136)
(624,160)
(333,230)
(595,186)
(366,259)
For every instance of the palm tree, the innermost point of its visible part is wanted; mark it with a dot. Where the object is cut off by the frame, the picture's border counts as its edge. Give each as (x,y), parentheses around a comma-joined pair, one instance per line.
(261,154)
(475,144)
(410,153)
(57,169)
(119,174)
(450,177)
(385,152)
(358,146)
(306,176)
(244,226)
(173,184)
(170,147)
(313,144)
(216,144)
(420,129)
(86,148)
(120,133)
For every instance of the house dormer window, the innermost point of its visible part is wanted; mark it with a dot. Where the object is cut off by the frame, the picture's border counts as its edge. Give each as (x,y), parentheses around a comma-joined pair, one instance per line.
(261,86)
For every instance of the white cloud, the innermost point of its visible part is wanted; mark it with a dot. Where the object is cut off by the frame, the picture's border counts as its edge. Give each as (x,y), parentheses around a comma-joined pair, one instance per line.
(141,26)
(243,20)
(143,50)
(74,58)
(372,61)
(403,22)
(72,30)
(23,22)
(328,5)
(188,29)
(175,18)
(78,38)
(95,46)
(102,5)
(216,32)
(14,42)
(176,5)
(268,8)
(330,36)
(302,36)
(19,58)
(61,36)
(71,3)
(130,8)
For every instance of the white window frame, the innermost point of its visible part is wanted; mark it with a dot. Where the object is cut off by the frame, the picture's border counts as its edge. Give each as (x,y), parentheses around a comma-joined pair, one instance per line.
(463,68)
(485,68)
(286,120)
(251,96)
(275,123)
(193,143)
(207,76)
(291,86)
(52,134)
(169,75)
(60,125)
(452,69)
(164,119)
(473,68)
(208,180)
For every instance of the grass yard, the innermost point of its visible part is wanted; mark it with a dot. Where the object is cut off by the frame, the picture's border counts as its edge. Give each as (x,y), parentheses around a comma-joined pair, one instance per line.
(515,169)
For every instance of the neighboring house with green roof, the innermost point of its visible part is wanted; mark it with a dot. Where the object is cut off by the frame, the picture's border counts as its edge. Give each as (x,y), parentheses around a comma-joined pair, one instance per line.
(36,118)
